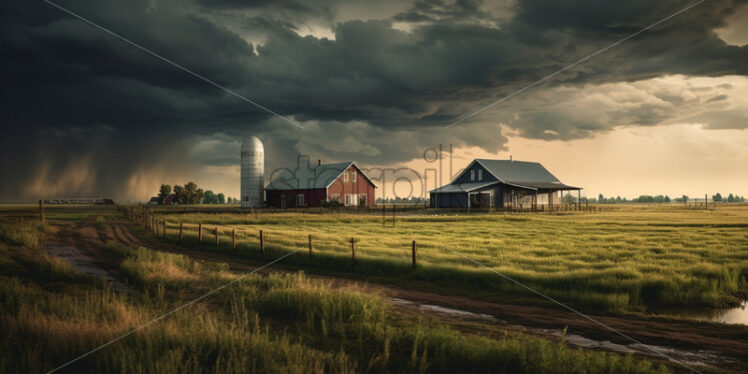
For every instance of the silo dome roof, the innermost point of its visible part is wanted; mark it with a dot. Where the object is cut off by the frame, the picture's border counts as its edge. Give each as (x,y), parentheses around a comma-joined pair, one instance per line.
(252,143)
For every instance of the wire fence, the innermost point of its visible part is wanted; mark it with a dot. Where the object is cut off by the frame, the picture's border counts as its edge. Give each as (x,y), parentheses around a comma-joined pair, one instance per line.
(253,239)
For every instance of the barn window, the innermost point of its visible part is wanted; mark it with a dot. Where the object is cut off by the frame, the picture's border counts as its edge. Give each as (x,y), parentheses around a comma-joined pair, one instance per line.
(351,199)
(362,199)
(345,177)
(480,174)
(335,197)
(300,200)
(353,174)
(472,175)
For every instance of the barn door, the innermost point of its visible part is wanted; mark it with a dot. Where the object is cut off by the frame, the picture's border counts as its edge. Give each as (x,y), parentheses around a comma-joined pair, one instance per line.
(283,201)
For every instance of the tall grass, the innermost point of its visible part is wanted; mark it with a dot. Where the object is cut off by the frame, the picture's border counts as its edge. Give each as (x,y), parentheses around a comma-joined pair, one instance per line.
(22,232)
(278,324)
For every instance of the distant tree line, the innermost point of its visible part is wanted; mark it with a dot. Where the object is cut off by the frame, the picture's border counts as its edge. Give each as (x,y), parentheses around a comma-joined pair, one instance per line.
(191,194)
(641,199)
(401,200)
(653,199)
(729,199)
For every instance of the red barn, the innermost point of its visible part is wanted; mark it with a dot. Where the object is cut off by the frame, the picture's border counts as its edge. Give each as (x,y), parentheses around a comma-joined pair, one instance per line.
(342,182)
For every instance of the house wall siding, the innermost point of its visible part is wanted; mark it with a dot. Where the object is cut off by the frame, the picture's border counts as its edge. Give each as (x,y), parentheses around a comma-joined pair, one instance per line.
(475,166)
(362,186)
(312,197)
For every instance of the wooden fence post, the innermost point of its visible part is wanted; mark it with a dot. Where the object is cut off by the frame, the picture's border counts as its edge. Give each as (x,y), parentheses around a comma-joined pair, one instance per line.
(164,228)
(216,236)
(41,211)
(353,250)
(706,202)
(414,254)
(310,245)
(200,232)
(262,244)
(233,238)
(180,231)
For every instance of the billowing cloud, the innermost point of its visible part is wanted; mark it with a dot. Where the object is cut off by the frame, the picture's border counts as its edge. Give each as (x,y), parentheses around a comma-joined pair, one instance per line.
(372,83)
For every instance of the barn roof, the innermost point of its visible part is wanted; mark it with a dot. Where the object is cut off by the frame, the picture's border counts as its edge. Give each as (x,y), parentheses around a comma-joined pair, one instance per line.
(319,176)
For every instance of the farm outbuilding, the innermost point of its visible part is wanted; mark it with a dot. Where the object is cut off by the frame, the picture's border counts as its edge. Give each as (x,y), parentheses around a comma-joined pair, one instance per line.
(344,183)
(500,184)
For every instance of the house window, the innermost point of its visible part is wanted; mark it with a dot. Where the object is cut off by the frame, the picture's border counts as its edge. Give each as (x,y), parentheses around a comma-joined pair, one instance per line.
(353,176)
(300,200)
(472,175)
(480,174)
(335,197)
(345,177)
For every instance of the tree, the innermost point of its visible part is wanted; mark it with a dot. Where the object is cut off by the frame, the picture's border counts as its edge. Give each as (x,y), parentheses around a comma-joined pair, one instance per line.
(164,191)
(730,198)
(194,195)
(180,194)
(717,198)
(569,199)
(210,197)
(667,198)
(684,198)
(221,198)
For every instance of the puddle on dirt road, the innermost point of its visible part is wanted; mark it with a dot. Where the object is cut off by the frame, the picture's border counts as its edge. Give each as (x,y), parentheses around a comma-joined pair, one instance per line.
(83,263)
(737,315)
(684,356)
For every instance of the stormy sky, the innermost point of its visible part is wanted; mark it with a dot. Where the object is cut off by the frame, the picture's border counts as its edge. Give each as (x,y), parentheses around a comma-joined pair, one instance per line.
(86,114)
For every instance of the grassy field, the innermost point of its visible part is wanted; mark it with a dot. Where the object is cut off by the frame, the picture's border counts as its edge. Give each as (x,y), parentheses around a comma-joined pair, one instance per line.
(625,257)
(288,323)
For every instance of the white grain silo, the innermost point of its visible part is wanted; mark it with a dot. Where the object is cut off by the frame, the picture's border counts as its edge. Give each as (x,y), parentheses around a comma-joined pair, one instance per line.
(253,171)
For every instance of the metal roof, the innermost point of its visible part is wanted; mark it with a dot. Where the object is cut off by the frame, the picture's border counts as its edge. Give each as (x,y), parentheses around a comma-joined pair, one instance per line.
(543,186)
(320,176)
(518,171)
(463,187)
(522,174)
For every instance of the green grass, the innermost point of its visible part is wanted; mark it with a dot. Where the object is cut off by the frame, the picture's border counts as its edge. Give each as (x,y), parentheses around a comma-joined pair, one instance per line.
(633,256)
(24,232)
(278,323)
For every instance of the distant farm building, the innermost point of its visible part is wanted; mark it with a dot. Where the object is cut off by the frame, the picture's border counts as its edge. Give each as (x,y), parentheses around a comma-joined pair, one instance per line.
(500,184)
(344,183)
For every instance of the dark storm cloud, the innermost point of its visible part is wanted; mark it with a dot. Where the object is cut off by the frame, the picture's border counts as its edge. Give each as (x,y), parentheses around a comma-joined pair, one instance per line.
(73,95)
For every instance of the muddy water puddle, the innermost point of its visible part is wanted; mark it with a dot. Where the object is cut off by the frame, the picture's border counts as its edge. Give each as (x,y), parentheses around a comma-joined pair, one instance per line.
(83,263)
(687,357)
(736,315)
